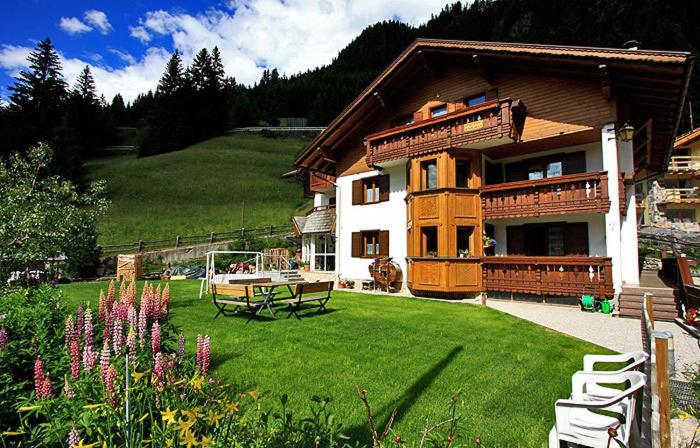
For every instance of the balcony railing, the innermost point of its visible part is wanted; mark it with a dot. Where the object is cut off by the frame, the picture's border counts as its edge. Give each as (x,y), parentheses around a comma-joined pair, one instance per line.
(572,193)
(555,276)
(684,165)
(682,195)
(491,121)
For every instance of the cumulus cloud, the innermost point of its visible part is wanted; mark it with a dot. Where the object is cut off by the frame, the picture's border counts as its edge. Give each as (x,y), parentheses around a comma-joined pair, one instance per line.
(99,20)
(73,25)
(124,56)
(140,33)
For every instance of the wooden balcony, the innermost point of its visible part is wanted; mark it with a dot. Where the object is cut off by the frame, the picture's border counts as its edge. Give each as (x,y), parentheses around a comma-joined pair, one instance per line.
(682,195)
(444,276)
(319,182)
(680,166)
(484,125)
(572,193)
(553,276)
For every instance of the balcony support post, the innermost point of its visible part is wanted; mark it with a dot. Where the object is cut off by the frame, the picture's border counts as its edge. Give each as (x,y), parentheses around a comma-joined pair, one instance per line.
(613,223)
(628,235)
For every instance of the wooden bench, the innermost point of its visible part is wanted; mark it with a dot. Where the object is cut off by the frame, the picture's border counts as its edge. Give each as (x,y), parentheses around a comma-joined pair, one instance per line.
(239,296)
(307,293)
(248,281)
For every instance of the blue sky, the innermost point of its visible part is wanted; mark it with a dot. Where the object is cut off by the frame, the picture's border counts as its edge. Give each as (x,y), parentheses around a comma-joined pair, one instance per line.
(127,43)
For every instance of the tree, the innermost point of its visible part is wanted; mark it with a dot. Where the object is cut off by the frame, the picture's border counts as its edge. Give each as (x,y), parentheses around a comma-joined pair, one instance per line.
(200,72)
(85,86)
(43,216)
(174,77)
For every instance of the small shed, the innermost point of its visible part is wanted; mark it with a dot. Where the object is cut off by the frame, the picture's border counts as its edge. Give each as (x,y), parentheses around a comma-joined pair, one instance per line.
(129,267)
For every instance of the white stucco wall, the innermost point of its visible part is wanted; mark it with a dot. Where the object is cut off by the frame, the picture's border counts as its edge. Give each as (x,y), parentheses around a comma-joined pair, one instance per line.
(389,215)
(596,230)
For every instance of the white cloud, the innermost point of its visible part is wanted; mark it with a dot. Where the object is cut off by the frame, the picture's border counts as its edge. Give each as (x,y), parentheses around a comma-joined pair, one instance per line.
(99,20)
(73,25)
(140,33)
(124,56)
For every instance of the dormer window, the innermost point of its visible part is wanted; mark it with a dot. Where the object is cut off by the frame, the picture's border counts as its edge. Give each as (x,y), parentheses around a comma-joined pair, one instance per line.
(475,99)
(438,111)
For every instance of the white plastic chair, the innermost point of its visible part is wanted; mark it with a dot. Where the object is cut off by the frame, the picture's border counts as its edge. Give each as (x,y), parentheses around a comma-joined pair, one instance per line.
(576,423)
(638,359)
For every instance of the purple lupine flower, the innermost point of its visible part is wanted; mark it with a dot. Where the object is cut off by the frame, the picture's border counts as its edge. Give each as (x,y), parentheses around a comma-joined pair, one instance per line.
(38,376)
(68,390)
(155,338)
(4,337)
(73,437)
(159,370)
(79,319)
(180,347)
(206,355)
(104,359)
(111,385)
(198,362)
(75,358)
(143,322)
(89,329)
(89,358)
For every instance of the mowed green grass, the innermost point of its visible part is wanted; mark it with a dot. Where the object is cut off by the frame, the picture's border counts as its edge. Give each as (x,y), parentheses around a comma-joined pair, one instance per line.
(410,354)
(199,189)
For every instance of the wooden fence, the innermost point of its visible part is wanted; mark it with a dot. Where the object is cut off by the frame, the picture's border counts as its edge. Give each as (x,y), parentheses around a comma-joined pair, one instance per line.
(267,232)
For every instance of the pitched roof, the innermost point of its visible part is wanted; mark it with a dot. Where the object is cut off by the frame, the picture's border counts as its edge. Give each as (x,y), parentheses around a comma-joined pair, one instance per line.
(687,138)
(318,221)
(646,64)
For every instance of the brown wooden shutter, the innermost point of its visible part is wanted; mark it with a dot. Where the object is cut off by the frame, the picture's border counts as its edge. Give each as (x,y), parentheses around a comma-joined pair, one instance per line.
(576,238)
(515,236)
(383,243)
(383,182)
(356,244)
(575,162)
(357,192)
(491,94)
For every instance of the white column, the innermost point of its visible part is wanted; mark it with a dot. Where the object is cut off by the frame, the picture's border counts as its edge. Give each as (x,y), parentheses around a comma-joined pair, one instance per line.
(612,217)
(628,244)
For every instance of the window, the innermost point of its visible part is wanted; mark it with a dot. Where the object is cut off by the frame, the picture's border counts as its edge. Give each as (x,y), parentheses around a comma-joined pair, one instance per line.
(462,173)
(331,201)
(438,111)
(555,239)
(429,175)
(464,235)
(370,243)
(370,190)
(324,256)
(554,169)
(548,166)
(535,172)
(475,99)
(680,215)
(429,241)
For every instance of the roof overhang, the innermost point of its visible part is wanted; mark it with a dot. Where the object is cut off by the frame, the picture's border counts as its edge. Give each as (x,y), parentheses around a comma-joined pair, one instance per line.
(688,139)
(654,83)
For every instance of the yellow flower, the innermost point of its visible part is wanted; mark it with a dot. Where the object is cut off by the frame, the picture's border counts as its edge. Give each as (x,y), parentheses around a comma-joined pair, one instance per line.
(206,441)
(193,414)
(254,394)
(169,416)
(231,407)
(169,442)
(138,375)
(29,408)
(184,426)
(214,417)
(93,406)
(188,439)
(81,445)
(197,383)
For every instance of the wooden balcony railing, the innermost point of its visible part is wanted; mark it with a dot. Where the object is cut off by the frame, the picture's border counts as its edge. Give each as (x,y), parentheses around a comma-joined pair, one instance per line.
(489,121)
(684,165)
(682,195)
(556,276)
(572,193)
(321,182)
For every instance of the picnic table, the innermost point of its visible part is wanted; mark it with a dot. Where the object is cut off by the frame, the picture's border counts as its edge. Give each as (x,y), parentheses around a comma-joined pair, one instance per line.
(267,290)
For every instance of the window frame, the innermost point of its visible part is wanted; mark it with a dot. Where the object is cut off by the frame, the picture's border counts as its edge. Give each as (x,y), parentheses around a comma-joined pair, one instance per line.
(424,174)
(438,111)
(373,235)
(469,98)
(470,234)
(424,252)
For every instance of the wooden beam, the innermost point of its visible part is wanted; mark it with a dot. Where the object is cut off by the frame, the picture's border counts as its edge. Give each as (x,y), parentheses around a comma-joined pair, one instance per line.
(605,81)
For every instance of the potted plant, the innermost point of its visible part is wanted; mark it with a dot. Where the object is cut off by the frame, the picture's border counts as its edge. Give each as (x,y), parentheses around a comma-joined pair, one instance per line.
(463,253)
(488,241)
(341,284)
(691,316)
(350,284)
(305,265)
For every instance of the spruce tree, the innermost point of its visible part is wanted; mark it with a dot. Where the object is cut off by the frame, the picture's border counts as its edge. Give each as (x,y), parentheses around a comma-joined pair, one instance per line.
(200,73)
(174,77)
(85,86)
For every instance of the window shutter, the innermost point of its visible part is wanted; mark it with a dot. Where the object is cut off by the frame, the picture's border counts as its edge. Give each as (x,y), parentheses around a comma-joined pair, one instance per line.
(384,243)
(357,192)
(383,182)
(575,162)
(576,238)
(515,236)
(356,244)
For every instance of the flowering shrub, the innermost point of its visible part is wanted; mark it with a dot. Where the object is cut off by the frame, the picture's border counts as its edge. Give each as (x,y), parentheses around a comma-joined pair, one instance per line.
(691,316)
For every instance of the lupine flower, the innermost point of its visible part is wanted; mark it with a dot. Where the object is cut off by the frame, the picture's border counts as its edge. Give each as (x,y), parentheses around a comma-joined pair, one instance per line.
(131,293)
(89,330)
(89,358)
(4,337)
(69,331)
(73,437)
(117,336)
(75,358)
(131,344)
(107,330)
(79,320)
(159,370)
(180,346)
(142,325)
(122,291)
(198,362)
(68,389)
(111,385)
(121,311)
(165,301)
(155,338)
(104,359)
(102,307)
(206,356)
(110,291)
(42,382)
(133,317)
(157,303)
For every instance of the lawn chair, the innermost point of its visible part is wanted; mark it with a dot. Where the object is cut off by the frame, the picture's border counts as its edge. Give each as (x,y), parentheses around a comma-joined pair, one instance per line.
(307,293)
(576,423)
(637,359)
(241,297)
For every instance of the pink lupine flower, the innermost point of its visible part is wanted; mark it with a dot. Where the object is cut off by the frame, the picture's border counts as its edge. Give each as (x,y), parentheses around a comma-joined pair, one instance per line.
(122,291)
(38,376)
(133,317)
(4,337)
(206,356)
(198,362)
(75,358)
(181,347)
(131,344)
(73,437)
(102,307)
(155,338)
(68,390)
(89,329)
(131,294)
(104,359)
(144,292)
(69,331)
(165,301)
(159,370)
(110,294)
(89,358)
(111,385)
(107,330)
(143,322)
(121,311)
(157,302)
(117,336)
(79,320)
(46,387)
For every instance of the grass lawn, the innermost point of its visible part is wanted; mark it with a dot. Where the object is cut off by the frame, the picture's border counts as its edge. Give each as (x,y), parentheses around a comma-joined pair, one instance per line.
(199,189)
(409,354)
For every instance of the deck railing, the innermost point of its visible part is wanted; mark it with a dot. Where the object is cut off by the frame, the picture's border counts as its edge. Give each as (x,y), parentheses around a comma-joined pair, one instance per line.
(555,276)
(491,120)
(680,195)
(684,164)
(572,193)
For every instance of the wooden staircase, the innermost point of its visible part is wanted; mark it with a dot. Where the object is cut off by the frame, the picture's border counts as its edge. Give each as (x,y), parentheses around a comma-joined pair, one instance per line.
(666,302)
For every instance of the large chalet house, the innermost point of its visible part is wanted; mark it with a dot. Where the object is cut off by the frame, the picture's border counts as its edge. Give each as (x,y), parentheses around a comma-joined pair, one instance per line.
(460,143)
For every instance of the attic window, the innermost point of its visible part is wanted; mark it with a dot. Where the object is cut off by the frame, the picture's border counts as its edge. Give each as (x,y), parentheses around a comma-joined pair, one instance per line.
(438,111)
(475,99)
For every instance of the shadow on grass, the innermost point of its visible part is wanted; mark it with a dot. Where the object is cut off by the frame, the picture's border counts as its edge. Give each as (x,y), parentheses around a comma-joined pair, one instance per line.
(403,403)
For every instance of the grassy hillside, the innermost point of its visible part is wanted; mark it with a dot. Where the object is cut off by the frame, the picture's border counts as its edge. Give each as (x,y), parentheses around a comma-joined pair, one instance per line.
(200,189)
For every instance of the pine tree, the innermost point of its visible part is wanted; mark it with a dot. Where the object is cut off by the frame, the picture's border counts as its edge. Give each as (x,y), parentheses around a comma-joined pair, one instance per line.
(217,68)
(174,77)
(85,86)
(200,73)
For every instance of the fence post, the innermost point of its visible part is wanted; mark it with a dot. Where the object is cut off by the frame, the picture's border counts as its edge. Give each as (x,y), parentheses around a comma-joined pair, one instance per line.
(649,300)
(242,232)
(270,230)
(211,237)
(662,387)
(140,246)
(177,241)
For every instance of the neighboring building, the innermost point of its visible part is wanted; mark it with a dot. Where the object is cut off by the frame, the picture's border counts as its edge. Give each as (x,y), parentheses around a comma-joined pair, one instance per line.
(528,144)
(672,199)
(316,230)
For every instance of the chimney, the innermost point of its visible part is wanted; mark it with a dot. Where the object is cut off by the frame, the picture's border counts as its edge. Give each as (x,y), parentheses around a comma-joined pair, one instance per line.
(631,45)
